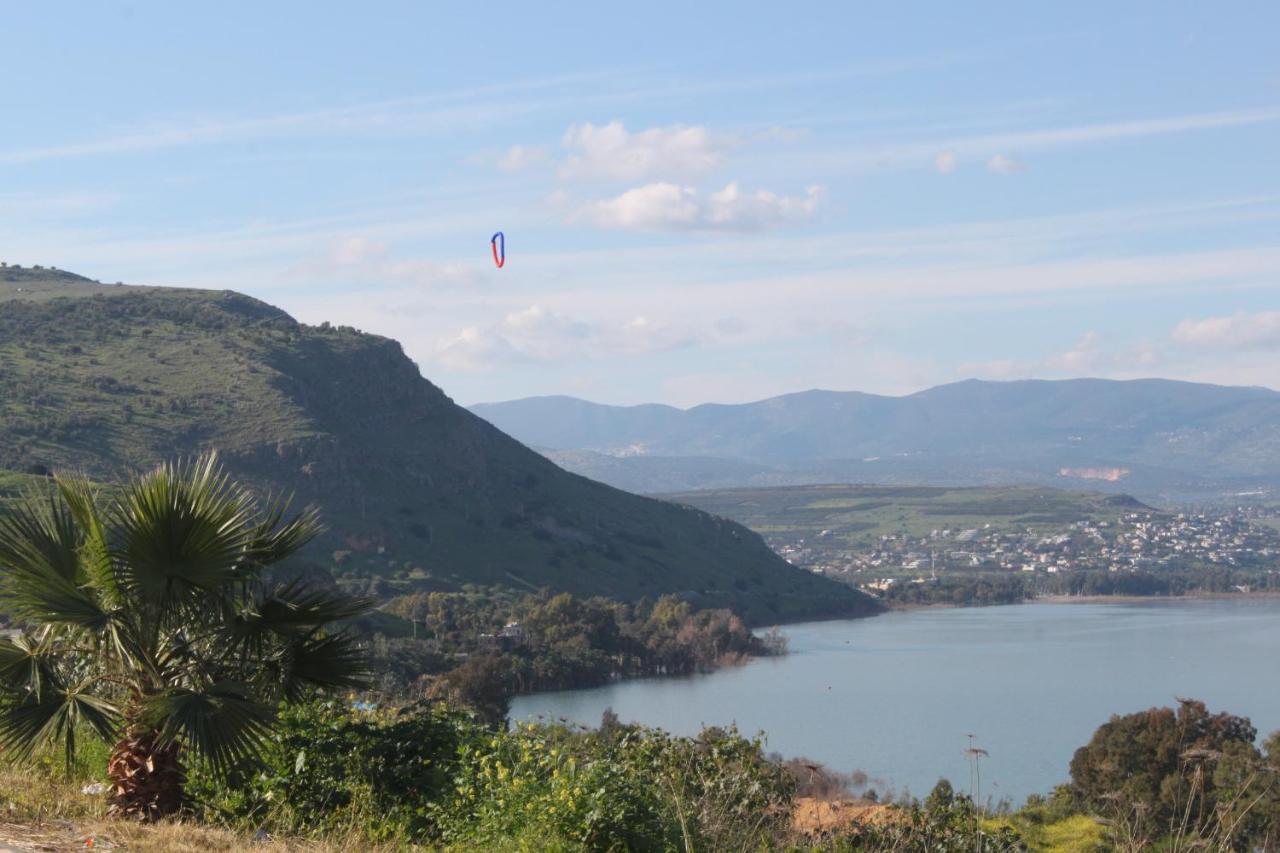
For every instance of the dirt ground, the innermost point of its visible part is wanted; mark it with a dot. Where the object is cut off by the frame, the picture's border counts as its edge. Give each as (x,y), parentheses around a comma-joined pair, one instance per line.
(818,817)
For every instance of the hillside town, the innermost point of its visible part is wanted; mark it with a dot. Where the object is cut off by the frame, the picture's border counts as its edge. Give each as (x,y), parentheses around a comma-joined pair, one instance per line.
(1244,538)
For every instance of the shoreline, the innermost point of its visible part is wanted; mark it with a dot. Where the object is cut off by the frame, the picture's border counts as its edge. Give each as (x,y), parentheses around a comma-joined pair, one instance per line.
(1093,600)
(1137,599)
(1089,599)
(909,608)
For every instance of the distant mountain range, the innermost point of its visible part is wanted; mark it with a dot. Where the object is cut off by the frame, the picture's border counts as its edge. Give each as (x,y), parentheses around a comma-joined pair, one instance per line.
(1164,441)
(106,378)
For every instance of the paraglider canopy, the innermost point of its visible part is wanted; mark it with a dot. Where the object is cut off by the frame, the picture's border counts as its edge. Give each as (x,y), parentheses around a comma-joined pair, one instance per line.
(498,242)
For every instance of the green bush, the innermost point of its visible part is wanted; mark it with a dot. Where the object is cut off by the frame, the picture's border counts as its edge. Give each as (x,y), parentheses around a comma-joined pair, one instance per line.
(328,767)
(626,787)
(427,773)
(533,782)
(945,822)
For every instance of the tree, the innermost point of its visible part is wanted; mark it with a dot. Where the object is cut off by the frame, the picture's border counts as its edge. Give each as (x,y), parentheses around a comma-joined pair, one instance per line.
(485,683)
(155,626)
(1168,770)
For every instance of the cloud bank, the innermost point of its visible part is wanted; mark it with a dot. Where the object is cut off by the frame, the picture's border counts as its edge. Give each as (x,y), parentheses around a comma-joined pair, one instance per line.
(1240,331)
(611,152)
(665,206)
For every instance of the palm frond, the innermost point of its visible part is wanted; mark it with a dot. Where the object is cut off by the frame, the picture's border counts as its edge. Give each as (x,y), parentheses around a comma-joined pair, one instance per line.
(274,539)
(40,553)
(39,534)
(54,715)
(298,603)
(183,528)
(96,564)
(269,615)
(334,661)
(223,723)
(26,666)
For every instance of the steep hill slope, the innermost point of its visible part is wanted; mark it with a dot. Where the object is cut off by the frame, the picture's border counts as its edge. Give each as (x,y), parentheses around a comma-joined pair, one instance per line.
(1158,438)
(111,378)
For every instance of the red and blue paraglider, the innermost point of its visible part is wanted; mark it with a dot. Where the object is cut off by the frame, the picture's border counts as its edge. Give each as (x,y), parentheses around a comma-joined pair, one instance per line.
(498,242)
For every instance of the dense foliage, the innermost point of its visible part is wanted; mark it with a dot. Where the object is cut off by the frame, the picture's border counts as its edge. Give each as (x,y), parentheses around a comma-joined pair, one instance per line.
(554,642)
(981,588)
(965,591)
(326,768)
(1204,579)
(945,821)
(151,622)
(428,773)
(1184,773)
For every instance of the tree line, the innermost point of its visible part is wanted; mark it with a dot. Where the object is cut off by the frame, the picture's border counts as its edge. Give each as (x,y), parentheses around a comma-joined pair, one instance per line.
(458,649)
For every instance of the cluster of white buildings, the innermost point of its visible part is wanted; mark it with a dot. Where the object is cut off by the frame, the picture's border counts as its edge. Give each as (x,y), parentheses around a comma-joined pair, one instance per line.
(1238,539)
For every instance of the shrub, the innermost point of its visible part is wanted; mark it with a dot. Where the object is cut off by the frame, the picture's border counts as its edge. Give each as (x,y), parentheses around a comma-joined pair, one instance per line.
(428,773)
(328,767)
(628,788)
(1162,760)
(946,822)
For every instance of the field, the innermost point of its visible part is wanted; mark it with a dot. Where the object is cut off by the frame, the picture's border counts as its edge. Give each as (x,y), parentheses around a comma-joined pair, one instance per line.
(861,515)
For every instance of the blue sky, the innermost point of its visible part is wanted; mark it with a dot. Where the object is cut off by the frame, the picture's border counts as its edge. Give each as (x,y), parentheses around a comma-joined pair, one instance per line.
(702,202)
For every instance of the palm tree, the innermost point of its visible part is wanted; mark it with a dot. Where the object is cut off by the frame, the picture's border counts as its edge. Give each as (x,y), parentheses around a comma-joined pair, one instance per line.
(155,627)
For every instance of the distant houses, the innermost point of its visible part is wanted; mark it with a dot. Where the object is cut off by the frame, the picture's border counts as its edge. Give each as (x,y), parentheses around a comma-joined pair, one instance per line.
(511,636)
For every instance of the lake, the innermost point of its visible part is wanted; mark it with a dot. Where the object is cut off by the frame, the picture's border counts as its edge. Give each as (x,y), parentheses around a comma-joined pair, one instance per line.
(895,696)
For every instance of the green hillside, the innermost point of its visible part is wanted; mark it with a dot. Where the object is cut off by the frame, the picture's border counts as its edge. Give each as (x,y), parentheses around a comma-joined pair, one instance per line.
(415,489)
(860,515)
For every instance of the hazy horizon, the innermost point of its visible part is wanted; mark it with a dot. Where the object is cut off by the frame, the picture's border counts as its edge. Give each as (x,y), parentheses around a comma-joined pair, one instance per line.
(755,201)
(799,391)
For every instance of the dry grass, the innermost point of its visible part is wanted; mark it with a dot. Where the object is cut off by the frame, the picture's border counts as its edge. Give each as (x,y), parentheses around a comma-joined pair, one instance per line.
(175,837)
(41,811)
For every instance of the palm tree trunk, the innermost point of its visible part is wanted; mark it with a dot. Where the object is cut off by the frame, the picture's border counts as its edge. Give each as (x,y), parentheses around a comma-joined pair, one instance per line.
(147,778)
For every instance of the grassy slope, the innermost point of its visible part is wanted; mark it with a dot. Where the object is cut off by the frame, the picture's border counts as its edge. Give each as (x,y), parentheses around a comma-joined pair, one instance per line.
(860,515)
(116,378)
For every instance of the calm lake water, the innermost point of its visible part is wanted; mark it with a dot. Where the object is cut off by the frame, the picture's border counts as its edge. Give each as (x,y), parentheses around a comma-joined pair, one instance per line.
(896,695)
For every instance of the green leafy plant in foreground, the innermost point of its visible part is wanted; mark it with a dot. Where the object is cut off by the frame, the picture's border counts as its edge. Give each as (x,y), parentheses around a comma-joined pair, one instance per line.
(329,768)
(155,627)
(429,773)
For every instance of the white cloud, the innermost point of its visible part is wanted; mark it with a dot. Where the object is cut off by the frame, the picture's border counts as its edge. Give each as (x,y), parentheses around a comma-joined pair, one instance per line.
(1091,355)
(1237,332)
(540,334)
(781,134)
(1082,358)
(518,158)
(641,334)
(354,251)
(420,273)
(611,152)
(910,154)
(1107,131)
(371,259)
(474,348)
(1004,165)
(666,206)
(660,205)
